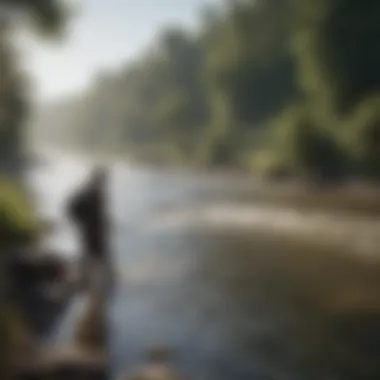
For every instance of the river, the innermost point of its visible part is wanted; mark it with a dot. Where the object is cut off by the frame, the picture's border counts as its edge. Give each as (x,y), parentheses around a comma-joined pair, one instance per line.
(239,290)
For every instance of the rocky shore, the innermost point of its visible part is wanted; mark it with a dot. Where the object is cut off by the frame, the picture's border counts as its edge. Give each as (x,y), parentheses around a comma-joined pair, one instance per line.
(41,290)
(64,363)
(41,287)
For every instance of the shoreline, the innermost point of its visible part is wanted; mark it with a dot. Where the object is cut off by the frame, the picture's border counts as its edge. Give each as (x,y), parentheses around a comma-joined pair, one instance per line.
(351,196)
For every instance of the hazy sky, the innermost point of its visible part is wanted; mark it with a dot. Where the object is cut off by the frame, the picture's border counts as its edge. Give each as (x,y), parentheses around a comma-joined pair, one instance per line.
(105,33)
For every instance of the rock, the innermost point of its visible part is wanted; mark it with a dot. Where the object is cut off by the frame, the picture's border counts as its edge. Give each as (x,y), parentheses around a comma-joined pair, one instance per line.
(40,286)
(155,372)
(159,353)
(158,366)
(64,363)
(39,267)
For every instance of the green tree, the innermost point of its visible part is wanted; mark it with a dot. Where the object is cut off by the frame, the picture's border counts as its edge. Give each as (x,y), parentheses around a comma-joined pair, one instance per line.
(46,17)
(363,132)
(249,69)
(304,148)
(335,42)
(212,94)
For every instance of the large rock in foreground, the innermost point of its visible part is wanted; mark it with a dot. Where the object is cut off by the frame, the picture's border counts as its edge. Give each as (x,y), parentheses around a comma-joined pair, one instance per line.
(41,287)
(64,363)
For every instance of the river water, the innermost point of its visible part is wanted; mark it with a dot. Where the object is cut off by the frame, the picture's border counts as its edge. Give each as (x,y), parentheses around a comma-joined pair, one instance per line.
(238,289)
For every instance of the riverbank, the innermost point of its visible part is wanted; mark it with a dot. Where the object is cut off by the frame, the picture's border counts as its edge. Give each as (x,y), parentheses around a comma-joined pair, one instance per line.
(350,196)
(43,287)
(39,284)
(63,363)
(353,197)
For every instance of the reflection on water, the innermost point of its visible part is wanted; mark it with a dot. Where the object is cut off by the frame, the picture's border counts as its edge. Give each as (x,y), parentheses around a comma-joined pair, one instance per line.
(238,306)
(235,303)
(316,311)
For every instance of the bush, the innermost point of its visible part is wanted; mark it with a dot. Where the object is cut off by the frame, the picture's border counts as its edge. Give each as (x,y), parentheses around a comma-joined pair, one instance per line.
(16,340)
(269,164)
(310,150)
(18,224)
(364,137)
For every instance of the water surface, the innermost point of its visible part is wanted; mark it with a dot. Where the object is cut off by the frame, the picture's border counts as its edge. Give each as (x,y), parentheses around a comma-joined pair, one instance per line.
(241,290)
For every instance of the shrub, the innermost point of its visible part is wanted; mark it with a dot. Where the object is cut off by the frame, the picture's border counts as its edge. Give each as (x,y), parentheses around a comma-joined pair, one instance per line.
(301,144)
(18,224)
(364,137)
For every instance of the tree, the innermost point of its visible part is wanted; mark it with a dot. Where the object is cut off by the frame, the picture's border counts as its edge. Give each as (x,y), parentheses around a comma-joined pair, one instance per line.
(364,136)
(213,94)
(335,42)
(46,17)
(249,69)
(304,147)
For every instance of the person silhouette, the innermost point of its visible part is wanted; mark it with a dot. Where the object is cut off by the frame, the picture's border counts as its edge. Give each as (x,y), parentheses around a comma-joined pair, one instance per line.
(87,209)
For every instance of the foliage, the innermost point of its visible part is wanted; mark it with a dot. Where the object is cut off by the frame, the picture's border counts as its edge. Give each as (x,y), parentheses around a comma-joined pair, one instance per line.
(305,146)
(225,92)
(336,51)
(364,137)
(18,224)
(46,17)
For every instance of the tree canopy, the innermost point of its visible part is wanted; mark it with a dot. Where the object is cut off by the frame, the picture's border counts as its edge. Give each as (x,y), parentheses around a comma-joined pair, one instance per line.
(46,17)
(217,95)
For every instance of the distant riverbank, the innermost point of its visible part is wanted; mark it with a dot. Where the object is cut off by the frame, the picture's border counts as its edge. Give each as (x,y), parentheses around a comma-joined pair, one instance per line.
(353,196)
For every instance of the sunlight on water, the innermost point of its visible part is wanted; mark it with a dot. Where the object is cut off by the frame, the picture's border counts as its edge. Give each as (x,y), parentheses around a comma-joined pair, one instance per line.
(362,233)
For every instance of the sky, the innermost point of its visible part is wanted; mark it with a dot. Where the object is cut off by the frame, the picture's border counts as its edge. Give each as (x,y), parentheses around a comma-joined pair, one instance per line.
(104,34)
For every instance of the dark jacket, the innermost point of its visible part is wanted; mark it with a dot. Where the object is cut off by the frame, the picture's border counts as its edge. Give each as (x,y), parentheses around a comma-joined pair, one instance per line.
(87,210)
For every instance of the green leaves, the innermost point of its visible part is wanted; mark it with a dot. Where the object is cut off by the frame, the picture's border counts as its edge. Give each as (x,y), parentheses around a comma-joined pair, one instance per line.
(363,135)
(171,110)
(45,16)
(337,54)
(18,225)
